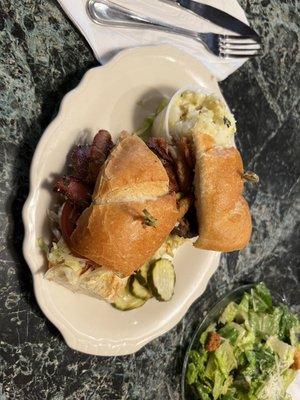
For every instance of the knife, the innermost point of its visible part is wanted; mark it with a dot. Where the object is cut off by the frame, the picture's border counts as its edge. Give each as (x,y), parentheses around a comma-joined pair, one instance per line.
(216,16)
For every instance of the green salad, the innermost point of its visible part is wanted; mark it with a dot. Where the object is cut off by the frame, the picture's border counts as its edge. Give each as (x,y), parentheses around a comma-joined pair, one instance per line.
(251,353)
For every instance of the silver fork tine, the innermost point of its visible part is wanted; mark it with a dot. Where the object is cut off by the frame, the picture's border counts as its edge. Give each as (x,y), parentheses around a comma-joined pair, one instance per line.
(226,37)
(229,46)
(238,40)
(240,55)
(247,46)
(240,51)
(240,46)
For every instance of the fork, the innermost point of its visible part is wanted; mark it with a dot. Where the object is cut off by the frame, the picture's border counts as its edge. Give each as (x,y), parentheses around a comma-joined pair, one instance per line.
(105,12)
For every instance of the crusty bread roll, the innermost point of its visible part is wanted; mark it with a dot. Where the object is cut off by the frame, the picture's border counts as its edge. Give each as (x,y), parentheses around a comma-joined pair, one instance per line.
(131,172)
(113,231)
(115,235)
(223,213)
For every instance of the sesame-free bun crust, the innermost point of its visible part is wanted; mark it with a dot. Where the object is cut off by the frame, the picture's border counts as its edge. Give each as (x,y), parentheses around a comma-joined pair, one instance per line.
(223,213)
(131,172)
(114,235)
(112,231)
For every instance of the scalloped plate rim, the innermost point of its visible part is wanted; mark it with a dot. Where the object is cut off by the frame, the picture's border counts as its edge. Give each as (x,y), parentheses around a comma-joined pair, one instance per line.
(104,347)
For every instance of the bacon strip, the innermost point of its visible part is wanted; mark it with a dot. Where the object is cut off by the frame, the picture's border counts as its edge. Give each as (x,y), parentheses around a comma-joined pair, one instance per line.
(182,229)
(99,151)
(178,161)
(162,149)
(185,163)
(80,157)
(68,219)
(188,225)
(185,147)
(173,184)
(86,161)
(74,190)
(184,174)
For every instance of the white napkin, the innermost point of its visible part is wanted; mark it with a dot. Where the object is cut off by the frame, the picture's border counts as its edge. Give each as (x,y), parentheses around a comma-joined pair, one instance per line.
(107,41)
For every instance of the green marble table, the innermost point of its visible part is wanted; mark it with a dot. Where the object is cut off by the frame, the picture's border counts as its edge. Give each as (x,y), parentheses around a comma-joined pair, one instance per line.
(42,57)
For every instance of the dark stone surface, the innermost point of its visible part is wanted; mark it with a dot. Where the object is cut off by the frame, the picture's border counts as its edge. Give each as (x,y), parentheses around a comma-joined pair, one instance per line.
(42,57)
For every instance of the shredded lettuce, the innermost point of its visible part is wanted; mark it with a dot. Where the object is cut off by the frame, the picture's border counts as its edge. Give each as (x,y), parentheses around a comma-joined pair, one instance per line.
(71,272)
(43,245)
(169,246)
(144,132)
(60,254)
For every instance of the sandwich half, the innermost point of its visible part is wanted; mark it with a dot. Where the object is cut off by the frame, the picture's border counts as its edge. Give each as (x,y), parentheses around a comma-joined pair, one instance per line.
(132,188)
(113,223)
(223,213)
(128,204)
(223,216)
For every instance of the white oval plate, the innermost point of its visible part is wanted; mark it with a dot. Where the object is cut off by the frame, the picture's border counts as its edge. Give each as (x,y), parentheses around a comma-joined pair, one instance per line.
(109,97)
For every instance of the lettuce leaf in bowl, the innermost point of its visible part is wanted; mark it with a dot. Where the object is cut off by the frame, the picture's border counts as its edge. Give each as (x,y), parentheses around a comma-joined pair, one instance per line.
(284,351)
(225,358)
(265,325)
(289,329)
(261,298)
(229,313)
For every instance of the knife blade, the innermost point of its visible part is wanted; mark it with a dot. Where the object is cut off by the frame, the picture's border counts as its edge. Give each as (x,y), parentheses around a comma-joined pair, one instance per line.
(216,16)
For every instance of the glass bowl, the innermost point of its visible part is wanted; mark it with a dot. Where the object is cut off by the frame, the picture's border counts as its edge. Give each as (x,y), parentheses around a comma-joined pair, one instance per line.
(212,316)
